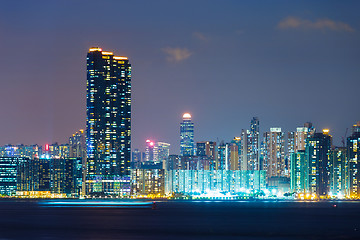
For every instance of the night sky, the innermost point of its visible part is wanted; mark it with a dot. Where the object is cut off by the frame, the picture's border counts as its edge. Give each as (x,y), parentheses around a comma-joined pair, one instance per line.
(287,62)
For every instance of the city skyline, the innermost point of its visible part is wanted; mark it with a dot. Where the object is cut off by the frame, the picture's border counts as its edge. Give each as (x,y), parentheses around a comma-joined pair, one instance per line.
(286,67)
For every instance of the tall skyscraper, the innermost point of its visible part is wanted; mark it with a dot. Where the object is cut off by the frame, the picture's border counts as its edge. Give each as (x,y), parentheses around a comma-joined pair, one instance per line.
(201,149)
(223,156)
(136,159)
(296,140)
(317,151)
(339,172)
(206,151)
(353,148)
(108,114)
(161,152)
(275,153)
(77,145)
(253,159)
(149,151)
(245,149)
(187,136)
(234,155)
(249,147)
(299,172)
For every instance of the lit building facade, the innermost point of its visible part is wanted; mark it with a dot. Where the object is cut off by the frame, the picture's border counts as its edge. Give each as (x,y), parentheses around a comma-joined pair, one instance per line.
(173,162)
(136,159)
(161,151)
(339,169)
(77,145)
(253,143)
(149,151)
(201,149)
(223,157)
(21,150)
(108,115)
(147,182)
(204,181)
(62,177)
(353,148)
(299,172)
(245,149)
(234,155)
(10,174)
(297,140)
(317,151)
(207,149)
(187,136)
(274,162)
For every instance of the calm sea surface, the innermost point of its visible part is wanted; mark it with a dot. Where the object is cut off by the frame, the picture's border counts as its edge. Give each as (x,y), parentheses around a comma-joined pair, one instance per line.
(174,220)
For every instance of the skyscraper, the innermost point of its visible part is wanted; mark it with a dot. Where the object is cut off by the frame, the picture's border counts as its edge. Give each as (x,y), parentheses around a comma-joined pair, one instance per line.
(245,149)
(223,156)
(296,140)
(149,151)
(353,144)
(108,114)
(253,160)
(275,153)
(161,152)
(187,136)
(234,155)
(317,151)
(206,151)
(339,169)
(299,174)
(77,145)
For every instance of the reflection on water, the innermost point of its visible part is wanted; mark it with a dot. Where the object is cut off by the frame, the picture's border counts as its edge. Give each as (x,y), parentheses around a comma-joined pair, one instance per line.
(179,220)
(96,203)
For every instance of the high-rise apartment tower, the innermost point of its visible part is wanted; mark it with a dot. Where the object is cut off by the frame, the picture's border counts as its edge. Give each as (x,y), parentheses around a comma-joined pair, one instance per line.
(108,114)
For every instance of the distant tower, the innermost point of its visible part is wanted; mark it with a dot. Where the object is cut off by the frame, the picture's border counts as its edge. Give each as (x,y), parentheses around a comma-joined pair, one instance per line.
(149,151)
(187,136)
(253,160)
(161,152)
(297,140)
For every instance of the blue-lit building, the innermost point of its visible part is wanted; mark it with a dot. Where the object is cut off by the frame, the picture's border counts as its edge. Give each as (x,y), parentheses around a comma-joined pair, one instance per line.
(253,138)
(108,115)
(9,174)
(223,159)
(195,182)
(187,136)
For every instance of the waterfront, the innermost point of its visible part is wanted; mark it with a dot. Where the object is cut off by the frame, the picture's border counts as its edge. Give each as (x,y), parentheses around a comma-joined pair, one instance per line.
(182,220)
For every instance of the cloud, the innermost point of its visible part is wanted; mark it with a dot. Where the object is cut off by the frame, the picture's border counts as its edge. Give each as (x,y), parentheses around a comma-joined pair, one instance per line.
(177,54)
(319,24)
(200,36)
